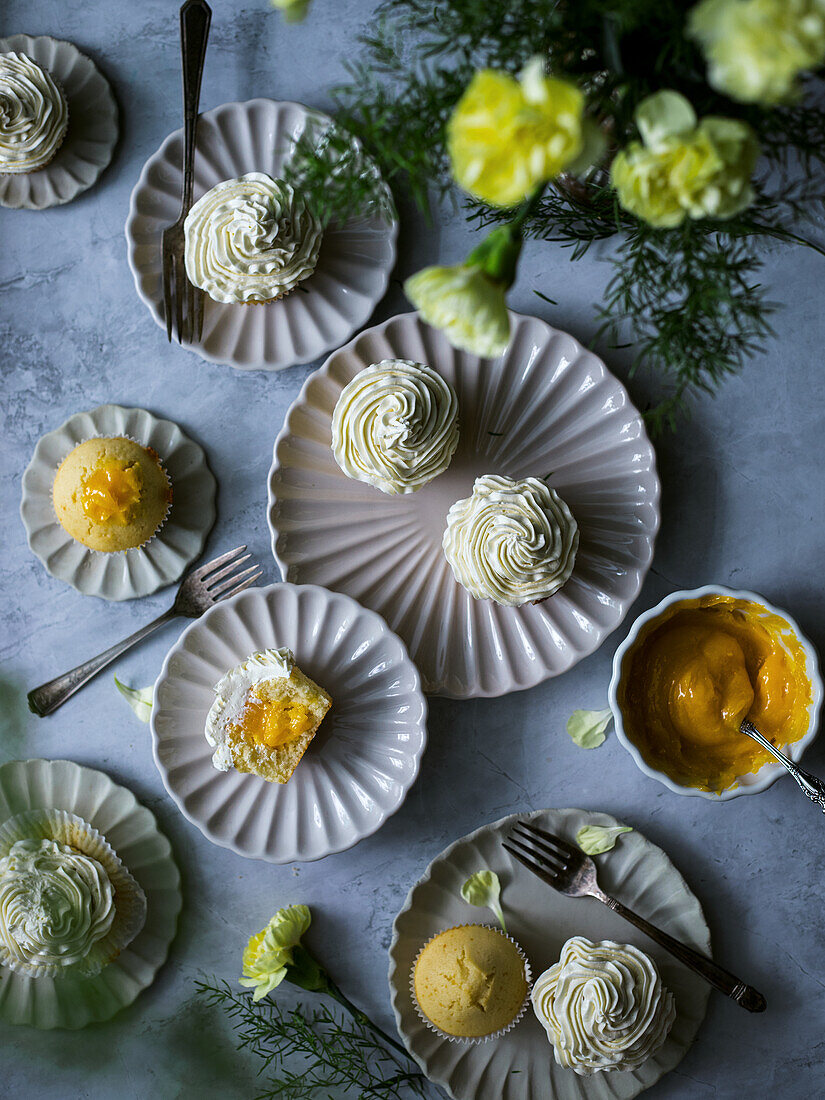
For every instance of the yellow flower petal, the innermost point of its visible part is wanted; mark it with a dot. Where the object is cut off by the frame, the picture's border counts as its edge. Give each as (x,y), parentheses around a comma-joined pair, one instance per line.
(468,306)
(505,136)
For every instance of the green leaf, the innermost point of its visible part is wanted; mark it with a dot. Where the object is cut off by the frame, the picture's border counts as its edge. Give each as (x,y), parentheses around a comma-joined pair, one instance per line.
(483,889)
(139,699)
(664,115)
(587,727)
(595,839)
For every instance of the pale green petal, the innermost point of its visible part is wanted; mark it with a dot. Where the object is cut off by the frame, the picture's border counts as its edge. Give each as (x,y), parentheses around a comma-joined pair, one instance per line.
(483,889)
(139,699)
(287,926)
(293,11)
(468,307)
(595,839)
(587,727)
(664,115)
(269,952)
(593,149)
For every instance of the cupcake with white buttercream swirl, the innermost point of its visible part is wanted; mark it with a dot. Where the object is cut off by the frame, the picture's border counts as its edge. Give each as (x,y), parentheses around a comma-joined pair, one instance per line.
(251,240)
(603,1006)
(395,426)
(34,115)
(68,906)
(511,541)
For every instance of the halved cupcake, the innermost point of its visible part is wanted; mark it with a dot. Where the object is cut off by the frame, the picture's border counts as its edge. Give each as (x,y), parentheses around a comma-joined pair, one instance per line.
(266,713)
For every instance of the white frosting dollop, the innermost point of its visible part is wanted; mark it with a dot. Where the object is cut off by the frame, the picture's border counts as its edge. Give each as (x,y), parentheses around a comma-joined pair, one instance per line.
(250,239)
(511,541)
(33,115)
(603,1006)
(231,692)
(395,426)
(55,904)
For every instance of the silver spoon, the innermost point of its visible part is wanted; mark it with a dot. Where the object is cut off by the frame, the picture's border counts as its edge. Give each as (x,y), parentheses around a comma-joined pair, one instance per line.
(814,788)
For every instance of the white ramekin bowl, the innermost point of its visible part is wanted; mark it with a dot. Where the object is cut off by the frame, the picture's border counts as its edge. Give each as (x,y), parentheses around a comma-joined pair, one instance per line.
(753,782)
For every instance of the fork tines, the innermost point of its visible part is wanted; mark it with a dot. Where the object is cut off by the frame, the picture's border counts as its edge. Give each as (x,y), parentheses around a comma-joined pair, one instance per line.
(181,300)
(224,570)
(544,854)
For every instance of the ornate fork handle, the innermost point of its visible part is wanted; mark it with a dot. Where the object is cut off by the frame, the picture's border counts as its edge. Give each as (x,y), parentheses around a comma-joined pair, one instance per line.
(813,787)
(719,978)
(48,697)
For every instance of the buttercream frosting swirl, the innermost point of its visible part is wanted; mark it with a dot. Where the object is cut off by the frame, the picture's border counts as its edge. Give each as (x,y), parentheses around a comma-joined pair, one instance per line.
(395,426)
(251,239)
(603,1006)
(511,541)
(33,115)
(231,692)
(55,904)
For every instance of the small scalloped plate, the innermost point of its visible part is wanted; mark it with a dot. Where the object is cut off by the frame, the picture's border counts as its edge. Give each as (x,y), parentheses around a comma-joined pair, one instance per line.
(145,569)
(353,267)
(90,138)
(360,764)
(132,831)
(520,1065)
(547,408)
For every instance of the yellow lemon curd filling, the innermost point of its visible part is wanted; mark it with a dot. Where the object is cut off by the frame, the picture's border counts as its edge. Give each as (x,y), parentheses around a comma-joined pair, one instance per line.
(110,492)
(273,722)
(692,676)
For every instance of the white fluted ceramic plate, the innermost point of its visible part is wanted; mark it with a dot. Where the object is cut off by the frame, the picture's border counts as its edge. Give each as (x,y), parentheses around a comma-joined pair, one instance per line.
(133,833)
(90,138)
(144,569)
(547,408)
(353,266)
(358,767)
(520,1065)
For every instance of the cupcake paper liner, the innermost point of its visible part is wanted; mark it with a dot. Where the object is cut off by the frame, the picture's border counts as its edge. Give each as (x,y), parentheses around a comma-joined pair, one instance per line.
(169,503)
(129,898)
(471,1039)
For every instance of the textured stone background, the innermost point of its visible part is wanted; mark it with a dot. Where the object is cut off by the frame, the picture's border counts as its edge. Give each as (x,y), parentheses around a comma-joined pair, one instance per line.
(743,503)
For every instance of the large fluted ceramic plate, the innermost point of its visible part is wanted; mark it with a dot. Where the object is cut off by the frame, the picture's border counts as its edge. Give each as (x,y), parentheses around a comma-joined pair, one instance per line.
(133,833)
(360,764)
(90,138)
(353,267)
(520,1065)
(547,408)
(161,560)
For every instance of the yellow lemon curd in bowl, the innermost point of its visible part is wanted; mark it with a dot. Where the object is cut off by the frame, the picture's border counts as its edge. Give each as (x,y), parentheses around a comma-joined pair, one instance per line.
(696,672)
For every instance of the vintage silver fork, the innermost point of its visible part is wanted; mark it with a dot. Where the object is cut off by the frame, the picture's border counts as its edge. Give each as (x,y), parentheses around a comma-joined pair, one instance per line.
(195,17)
(567,869)
(812,785)
(201,589)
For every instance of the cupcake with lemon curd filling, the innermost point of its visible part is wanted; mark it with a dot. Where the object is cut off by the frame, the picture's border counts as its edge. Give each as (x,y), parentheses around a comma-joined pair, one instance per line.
(395,426)
(34,115)
(513,542)
(111,494)
(470,983)
(603,1006)
(250,240)
(265,714)
(68,906)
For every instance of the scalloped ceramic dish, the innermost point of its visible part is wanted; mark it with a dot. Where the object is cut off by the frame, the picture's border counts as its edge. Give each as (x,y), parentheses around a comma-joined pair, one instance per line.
(353,267)
(753,782)
(520,1065)
(92,134)
(547,408)
(133,833)
(137,572)
(360,764)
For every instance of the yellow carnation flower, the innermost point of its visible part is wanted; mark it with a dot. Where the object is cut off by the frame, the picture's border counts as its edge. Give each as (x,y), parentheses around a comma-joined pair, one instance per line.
(507,136)
(756,49)
(269,953)
(684,168)
(466,304)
